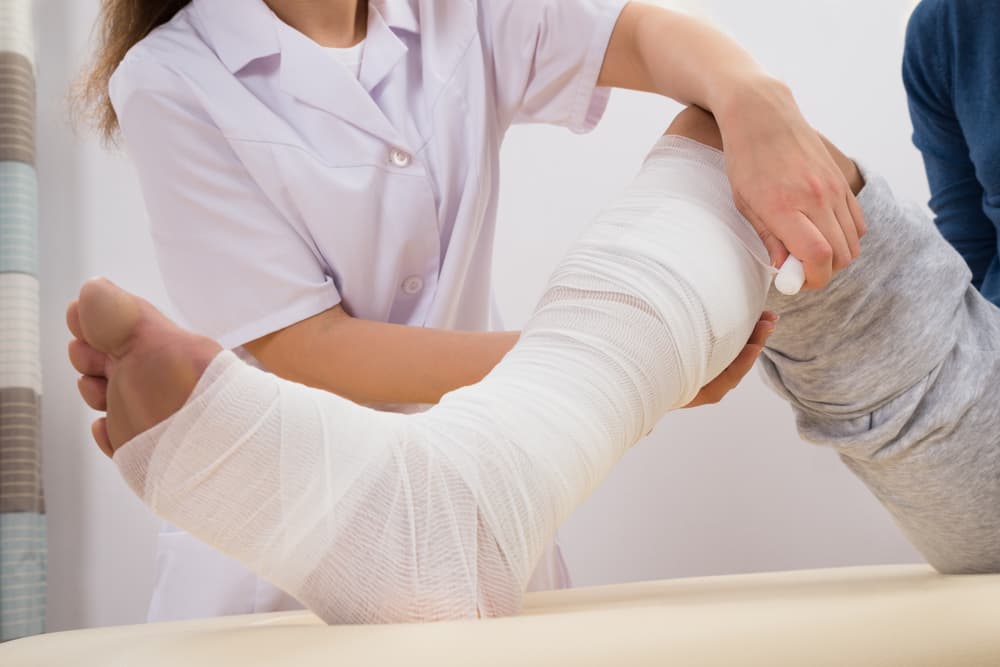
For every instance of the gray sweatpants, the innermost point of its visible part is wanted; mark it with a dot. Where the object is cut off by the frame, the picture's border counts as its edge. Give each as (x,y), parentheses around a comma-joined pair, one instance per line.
(896,365)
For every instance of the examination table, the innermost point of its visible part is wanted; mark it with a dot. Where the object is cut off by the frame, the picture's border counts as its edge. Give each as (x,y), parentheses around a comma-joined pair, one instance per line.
(869,616)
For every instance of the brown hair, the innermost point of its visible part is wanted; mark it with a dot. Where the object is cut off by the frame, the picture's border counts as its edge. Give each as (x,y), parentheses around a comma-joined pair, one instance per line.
(121,25)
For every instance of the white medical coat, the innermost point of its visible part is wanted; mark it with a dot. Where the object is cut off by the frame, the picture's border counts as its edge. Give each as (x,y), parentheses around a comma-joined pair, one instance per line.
(278,185)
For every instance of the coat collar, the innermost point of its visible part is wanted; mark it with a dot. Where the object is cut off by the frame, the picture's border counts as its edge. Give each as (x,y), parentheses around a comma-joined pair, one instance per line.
(238,31)
(398,14)
(241,31)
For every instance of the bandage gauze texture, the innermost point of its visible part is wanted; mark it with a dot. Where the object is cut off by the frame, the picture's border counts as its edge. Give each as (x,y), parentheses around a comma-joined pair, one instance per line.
(367,516)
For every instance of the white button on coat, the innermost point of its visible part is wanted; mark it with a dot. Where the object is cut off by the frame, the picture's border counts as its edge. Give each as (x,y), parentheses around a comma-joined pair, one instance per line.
(263,167)
(413,285)
(399,158)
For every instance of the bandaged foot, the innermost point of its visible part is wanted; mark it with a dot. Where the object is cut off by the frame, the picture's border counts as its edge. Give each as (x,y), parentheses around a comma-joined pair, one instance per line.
(376,517)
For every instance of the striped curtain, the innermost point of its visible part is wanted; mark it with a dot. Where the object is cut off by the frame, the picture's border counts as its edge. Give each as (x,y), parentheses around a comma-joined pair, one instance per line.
(22,510)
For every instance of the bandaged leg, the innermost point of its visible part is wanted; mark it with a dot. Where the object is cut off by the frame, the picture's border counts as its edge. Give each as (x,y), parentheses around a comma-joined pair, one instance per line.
(376,517)
(897,366)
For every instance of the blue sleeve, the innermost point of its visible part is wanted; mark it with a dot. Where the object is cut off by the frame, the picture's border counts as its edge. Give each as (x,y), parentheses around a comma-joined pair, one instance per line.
(956,193)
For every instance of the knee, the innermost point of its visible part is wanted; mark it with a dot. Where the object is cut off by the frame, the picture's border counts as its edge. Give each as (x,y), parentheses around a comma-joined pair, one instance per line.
(697,124)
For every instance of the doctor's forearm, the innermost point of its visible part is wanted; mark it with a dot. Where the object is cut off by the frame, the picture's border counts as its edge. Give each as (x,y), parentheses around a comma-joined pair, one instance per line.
(376,362)
(657,50)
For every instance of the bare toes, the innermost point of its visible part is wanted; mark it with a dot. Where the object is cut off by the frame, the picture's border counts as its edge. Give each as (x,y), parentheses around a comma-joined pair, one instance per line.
(99,429)
(73,319)
(94,391)
(108,316)
(86,360)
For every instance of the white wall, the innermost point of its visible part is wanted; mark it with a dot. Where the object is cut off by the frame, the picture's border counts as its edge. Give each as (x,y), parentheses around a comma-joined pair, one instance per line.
(714,490)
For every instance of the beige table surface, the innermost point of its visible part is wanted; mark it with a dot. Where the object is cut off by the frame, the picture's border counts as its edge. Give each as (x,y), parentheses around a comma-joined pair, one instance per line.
(888,615)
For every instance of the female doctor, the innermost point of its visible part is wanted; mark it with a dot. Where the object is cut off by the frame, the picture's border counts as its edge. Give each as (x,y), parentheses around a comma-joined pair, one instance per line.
(321,179)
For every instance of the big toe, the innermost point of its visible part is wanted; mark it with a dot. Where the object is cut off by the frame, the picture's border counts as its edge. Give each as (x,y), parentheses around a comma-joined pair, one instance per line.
(108,315)
(73,319)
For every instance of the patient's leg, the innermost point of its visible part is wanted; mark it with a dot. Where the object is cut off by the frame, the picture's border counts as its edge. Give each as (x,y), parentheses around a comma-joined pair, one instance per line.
(897,365)
(368,516)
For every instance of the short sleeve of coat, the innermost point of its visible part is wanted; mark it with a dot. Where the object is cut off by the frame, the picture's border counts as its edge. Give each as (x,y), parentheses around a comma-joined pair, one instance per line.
(233,267)
(547,56)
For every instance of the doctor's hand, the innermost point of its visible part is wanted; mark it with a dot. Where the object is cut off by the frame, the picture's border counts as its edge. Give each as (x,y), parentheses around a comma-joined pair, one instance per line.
(714,391)
(786,183)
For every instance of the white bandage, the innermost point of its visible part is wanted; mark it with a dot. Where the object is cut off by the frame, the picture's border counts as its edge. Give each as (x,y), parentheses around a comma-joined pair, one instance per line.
(379,517)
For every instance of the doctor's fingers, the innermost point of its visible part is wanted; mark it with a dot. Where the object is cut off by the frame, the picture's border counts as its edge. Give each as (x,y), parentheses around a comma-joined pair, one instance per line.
(847,223)
(808,242)
(857,214)
(727,380)
(776,250)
